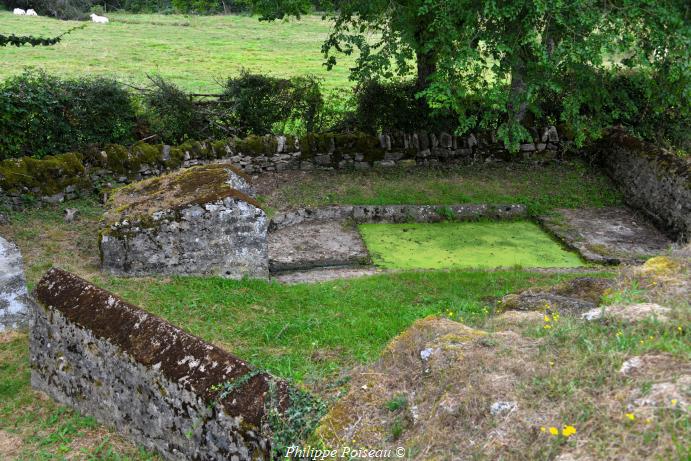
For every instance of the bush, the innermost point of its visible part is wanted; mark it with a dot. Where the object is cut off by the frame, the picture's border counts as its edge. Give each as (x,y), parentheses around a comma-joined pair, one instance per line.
(41,114)
(261,104)
(636,101)
(172,114)
(383,106)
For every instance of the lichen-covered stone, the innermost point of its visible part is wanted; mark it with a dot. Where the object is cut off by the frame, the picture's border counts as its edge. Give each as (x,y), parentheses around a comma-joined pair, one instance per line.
(14,299)
(610,235)
(202,220)
(571,297)
(156,384)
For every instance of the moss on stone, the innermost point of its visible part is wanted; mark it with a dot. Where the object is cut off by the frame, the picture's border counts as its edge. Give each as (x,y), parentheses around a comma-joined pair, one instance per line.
(47,176)
(254,145)
(147,154)
(117,158)
(193,186)
(219,149)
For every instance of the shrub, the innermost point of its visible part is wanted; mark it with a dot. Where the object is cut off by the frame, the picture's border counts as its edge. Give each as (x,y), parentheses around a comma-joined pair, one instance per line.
(382,106)
(262,104)
(42,115)
(172,114)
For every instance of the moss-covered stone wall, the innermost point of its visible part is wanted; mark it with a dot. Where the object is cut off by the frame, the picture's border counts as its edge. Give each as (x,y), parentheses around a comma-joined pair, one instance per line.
(156,384)
(62,176)
(653,180)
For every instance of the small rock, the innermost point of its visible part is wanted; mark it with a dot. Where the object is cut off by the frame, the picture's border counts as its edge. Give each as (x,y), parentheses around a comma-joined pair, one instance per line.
(57,198)
(503,407)
(425,354)
(71,214)
(630,365)
(4,219)
(631,313)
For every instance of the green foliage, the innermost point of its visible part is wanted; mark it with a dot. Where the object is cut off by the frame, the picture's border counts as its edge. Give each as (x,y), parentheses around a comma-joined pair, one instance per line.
(296,422)
(397,402)
(41,114)
(506,54)
(15,40)
(261,104)
(172,113)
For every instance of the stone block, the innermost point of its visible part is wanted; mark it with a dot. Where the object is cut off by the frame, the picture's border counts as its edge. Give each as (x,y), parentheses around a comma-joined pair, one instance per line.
(202,220)
(14,298)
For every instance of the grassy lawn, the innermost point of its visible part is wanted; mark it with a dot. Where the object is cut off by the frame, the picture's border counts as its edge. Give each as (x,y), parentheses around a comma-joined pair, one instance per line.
(307,333)
(539,187)
(195,52)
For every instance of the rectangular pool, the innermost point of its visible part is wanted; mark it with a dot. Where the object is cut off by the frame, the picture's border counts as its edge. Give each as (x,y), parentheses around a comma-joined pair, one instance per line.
(464,245)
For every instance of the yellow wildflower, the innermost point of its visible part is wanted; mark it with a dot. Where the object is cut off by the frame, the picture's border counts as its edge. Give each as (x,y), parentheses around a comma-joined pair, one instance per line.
(554,431)
(543,429)
(674,401)
(547,327)
(631,416)
(547,319)
(568,431)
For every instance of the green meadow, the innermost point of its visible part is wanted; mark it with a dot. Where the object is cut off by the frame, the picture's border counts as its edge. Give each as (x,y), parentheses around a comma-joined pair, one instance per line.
(195,52)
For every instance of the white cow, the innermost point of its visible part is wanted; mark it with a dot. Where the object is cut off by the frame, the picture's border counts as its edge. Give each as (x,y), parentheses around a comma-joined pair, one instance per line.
(98,19)
(19,12)
(31,13)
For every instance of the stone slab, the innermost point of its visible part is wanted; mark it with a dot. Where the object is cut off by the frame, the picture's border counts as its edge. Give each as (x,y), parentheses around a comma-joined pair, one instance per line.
(14,298)
(610,235)
(326,274)
(199,221)
(316,244)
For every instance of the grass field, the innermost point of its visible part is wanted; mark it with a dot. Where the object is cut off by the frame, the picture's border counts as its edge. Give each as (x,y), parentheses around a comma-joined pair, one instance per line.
(195,52)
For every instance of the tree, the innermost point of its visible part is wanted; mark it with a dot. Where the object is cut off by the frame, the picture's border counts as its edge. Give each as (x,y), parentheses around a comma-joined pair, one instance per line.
(510,54)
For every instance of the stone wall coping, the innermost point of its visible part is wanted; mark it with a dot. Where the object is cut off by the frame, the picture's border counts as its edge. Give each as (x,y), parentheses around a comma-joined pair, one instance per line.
(361,214)
(194,364)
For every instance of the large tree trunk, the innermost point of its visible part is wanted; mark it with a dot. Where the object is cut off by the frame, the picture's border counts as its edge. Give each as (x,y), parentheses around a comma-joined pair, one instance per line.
(426,66)
(517,105)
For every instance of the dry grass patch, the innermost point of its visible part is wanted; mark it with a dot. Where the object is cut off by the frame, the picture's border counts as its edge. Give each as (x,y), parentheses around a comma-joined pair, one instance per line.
(10,445)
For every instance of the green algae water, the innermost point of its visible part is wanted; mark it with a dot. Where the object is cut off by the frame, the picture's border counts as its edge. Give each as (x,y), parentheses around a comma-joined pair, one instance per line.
(464,245)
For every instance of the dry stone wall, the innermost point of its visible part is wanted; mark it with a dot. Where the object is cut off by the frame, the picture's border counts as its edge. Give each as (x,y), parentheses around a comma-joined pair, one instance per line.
(396,214)
(159,386)
(60,177)
(652,180)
